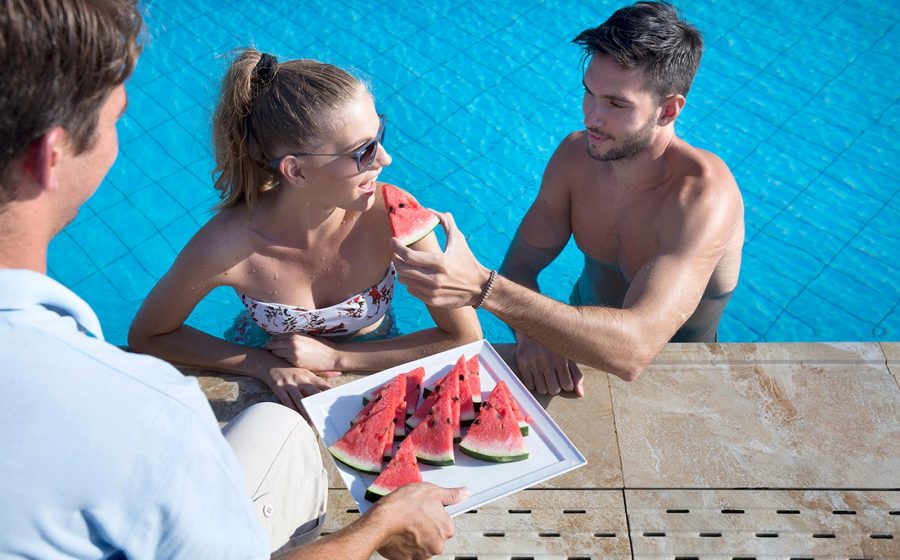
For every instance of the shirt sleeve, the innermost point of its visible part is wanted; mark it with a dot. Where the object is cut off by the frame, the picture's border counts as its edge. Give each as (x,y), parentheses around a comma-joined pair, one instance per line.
(200,509)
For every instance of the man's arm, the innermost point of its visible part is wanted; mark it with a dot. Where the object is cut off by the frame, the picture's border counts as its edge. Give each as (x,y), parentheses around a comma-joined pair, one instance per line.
(408,523)
(545,229)
(694,233)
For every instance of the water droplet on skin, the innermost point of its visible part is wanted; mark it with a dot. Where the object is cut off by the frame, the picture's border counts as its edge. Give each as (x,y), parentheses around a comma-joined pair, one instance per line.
(275,276)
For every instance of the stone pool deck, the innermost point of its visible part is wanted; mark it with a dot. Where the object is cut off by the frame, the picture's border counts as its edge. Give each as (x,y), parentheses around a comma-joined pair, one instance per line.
(730,451)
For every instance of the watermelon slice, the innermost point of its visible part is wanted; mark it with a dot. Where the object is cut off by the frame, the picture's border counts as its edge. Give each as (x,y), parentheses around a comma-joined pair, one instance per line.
(522,418)
(402,470)
(466,408)
(448,384)
(414,389)
(494,436)
(409,221)
(474,369)
(362,447)
(393,391)
(432,438)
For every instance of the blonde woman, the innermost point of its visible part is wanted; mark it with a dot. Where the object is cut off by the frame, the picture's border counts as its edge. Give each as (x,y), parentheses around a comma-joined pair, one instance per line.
(301,235)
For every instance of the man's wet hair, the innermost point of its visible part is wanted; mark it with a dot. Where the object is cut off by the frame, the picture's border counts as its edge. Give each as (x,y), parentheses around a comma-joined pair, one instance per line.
(651,36)
(59,61)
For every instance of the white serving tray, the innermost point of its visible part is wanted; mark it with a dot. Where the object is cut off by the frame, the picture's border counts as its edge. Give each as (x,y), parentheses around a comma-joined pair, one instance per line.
(550,451)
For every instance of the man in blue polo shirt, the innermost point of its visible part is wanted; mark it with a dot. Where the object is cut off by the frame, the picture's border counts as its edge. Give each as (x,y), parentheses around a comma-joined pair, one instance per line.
(106,454)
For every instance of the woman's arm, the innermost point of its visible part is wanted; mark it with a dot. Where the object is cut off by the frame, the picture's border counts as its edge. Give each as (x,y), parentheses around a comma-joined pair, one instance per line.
(159,328)
(454,327)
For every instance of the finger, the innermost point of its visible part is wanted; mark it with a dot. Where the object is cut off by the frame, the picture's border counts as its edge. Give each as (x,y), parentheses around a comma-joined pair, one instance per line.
(564,376)
(540,383)
(552,373)
(577,378)
(319,383)
(329,373)
(412,274)
(522,365)
(413,257)
(450,496)
(284,397)
(307,389)
(449,225)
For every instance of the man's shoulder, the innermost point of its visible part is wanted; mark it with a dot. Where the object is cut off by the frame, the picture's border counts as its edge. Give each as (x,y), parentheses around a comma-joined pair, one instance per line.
(701,177)
(102,372)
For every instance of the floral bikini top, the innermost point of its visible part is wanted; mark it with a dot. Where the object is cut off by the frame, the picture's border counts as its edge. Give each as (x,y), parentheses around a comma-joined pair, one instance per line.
(348,317)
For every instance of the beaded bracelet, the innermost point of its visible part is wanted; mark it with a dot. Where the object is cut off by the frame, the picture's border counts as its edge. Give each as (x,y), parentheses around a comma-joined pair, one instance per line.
(486,291)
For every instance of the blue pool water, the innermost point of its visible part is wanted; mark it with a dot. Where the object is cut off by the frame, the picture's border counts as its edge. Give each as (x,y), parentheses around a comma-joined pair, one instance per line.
(799,98)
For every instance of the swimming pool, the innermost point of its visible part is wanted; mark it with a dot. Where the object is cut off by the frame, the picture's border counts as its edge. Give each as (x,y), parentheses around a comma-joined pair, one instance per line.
(799,98)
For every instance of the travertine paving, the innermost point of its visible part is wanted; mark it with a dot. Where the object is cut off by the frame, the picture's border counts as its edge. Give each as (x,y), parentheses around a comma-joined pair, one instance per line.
(718,451)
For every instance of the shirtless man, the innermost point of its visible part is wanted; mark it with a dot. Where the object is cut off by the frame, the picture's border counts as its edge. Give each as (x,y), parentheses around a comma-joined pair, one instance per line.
(659,221)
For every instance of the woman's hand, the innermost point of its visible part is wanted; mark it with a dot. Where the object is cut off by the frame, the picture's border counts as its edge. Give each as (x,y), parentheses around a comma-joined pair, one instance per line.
(290,384)
(305,352)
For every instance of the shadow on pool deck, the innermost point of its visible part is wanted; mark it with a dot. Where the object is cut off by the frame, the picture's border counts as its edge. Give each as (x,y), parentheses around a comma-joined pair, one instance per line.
(732,450)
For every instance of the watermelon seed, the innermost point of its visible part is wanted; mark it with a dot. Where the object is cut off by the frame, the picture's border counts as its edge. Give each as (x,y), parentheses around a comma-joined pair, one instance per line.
(455,398)
(448,420)
(477,421)
(402,205)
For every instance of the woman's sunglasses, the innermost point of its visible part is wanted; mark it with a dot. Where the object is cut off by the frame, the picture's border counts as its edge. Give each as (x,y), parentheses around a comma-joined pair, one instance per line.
(364,156)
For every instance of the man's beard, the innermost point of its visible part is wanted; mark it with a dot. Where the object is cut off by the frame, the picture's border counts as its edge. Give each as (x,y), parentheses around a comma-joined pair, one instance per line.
(630,146)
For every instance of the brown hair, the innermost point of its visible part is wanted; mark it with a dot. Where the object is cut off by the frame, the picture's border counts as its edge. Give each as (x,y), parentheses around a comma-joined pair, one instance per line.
(650,36)
(266,110)
(59,60)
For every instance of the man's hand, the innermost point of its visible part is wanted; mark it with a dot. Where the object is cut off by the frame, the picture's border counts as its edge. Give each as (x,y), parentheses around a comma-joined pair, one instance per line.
(419,525)
(306,352)
(450,279)
(542,371)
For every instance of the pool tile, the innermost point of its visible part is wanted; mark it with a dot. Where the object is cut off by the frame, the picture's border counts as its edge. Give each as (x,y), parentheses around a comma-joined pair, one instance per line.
(188,190)
(98,240)
(765,425)
(131,280)
(843,198)
(862,179)
(791,261)
(68,262)
(154,255)
(158,206)
(866,269)
(853,296)
(144,111)
(128,223)
(827,319)
(767,284)
(180,231)
(765,187)
(105,196)
(151,158)
(753,51)
(756,312)
(789,328)
(816,213)
(421,93)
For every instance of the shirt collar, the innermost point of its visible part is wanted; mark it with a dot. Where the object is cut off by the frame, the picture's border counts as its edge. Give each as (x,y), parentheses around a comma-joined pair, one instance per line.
(20,289)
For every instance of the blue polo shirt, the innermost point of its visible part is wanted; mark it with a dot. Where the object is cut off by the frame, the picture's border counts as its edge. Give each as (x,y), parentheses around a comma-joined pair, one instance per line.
(105,453)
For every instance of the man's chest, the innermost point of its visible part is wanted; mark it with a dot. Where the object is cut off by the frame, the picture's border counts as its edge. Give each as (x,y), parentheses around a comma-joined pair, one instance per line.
(617,230)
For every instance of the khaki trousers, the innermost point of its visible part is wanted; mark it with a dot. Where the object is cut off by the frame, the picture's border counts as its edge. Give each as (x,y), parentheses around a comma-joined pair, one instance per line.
(286,480)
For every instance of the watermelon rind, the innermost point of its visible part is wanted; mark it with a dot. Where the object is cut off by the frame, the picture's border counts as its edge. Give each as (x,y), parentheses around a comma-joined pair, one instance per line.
(523,427)
(368,468)
(437,460)
(420,233)
(493,457)
(375,493)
